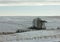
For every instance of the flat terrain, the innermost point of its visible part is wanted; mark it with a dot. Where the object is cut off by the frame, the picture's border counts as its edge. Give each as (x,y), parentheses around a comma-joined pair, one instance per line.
(33,36)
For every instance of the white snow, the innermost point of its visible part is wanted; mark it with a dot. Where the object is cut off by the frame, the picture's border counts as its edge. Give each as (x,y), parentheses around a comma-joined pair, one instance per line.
(33,36)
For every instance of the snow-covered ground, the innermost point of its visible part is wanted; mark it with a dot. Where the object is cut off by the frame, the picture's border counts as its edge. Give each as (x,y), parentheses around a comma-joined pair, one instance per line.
(33,36)
(11,24)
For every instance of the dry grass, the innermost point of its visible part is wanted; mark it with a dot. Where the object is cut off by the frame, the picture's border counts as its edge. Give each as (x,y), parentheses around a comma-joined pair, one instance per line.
(6,33)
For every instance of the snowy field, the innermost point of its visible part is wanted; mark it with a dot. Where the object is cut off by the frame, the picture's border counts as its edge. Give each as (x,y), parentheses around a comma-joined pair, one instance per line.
(11,24)
(33,36)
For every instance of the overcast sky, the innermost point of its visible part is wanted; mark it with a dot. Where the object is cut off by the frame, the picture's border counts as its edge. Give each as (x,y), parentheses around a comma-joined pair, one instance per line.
(30,10)
(29,0)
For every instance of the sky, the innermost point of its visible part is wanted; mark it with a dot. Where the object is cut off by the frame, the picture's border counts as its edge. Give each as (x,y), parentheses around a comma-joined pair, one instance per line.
(43,10)
(29,0)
